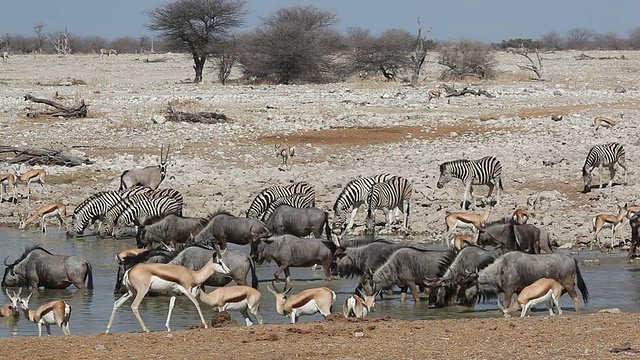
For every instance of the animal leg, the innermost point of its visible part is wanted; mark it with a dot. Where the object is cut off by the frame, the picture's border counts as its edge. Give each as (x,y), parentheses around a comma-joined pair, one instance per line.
(39,329)
(134,308)
(353,217)
(195,302)
(600,172)
(48,329)
(556,301)
(245,315)
(467,192)
(569,286)
(525,309)
(326,266)
(403,294)
(281,268)
(256,312)
(414,292)
(507,298)
(172,302)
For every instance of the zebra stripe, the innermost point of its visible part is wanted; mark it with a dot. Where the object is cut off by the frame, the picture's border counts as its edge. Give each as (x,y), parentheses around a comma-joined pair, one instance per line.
(299,200)
(261,202)
(603,156)
(146,211)
(485,171)
(352,197)
(393,193)
(91,209)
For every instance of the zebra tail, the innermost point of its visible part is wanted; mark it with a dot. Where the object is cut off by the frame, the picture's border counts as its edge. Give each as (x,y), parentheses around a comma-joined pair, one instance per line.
(500,184)
(89,276)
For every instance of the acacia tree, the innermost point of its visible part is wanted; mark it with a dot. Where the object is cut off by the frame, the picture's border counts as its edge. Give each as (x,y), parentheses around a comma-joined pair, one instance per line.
(194,25)
(294,43)
(388,53)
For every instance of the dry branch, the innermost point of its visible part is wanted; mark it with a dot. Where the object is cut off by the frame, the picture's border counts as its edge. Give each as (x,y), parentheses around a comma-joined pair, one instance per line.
(465,91)
(42,157)
(201,117)
(80,111)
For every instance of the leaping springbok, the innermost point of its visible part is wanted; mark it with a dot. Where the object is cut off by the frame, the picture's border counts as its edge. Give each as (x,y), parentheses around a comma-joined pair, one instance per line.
(601,221)
(236,298)
(56,209)
(306,302)
(35,175)
(8,180)
(55,312)
(543,291)
(156,277)
(465,220)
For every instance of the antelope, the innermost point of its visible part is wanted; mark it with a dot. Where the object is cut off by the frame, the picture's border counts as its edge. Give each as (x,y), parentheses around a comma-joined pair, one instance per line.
(8,180)
(603,121)
(56,209)
(306,302)
(287,153)
(107,52)
(5,56)
(11,310)
(601,221)
(236,298)
(359,305)
(433,94)
(465,220)
(150,176)
(121,255)
(521,216)
(36,175)
(55,312)
(543,291)
(156,277)
(461,240)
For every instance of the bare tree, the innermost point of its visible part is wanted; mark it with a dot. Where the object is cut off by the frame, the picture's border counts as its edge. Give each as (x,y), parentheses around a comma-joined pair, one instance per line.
(578,38)
(634,38)
(609,41)
(388,53)
(419,54)
(225,57)
(192,25)
(143,42)
(535,66)
(60,41)
(7,42)
(294,43)
(467,58)
(551,41)
(40,36)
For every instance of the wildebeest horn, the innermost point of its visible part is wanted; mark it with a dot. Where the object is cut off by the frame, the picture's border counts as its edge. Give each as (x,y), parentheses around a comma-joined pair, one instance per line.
(5,262)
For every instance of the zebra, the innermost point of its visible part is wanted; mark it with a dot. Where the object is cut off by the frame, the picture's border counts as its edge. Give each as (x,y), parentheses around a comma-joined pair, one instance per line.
(91,209)
(485,171)
(393,193)
(298,200)
(352,196)
(261,202)
(603,156)
(146,211)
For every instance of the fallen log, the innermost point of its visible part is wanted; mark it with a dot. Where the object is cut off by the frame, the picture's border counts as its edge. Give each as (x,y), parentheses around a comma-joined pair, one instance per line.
(79,111)
(42,157)
(201,117)
(466,91)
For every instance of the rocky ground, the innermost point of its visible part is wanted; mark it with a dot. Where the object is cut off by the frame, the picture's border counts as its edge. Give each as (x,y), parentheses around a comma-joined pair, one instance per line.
(340,131)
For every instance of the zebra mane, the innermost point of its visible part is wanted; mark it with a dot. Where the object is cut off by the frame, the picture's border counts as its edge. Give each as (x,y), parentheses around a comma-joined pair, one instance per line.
(90,199)
(28,250)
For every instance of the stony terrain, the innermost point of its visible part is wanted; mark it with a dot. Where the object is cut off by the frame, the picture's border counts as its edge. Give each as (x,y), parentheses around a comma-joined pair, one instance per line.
(341,131)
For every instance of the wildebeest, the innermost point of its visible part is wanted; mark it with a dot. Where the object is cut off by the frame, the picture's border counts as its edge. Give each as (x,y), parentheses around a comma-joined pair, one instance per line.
(528,238)
(407,268)
(150,176)
(361,260)
(291,251)
(38,267)
(300,222)
(453,268)
(172,229)
(224,227)
(515,270)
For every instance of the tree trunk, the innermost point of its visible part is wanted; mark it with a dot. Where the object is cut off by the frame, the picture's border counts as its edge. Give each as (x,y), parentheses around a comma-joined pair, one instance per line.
(198,67)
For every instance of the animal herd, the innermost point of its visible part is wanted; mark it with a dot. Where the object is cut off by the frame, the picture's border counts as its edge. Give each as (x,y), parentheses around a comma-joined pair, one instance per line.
(182,255)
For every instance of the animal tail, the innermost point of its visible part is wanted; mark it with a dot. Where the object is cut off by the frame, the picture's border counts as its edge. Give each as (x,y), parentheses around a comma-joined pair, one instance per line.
(327,229)
(89,276)
(254,276)
(500,184)
(581,285)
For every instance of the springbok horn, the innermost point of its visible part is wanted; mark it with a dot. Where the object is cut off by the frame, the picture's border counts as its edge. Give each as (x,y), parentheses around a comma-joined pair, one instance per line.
(19,291)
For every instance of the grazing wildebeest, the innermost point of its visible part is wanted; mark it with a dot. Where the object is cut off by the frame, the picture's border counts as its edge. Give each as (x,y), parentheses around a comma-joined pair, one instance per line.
(291,251)
(528,238)
(406,268)
(361,260)
(453,268)
(300,222)
(224,227)
(515,270)
(38,267)
(171,230)
(150,176)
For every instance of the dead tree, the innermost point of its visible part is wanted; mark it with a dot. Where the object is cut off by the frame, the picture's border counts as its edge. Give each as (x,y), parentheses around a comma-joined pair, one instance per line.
(201,117)
(453,92)
(42,157)
(61,42)
(419,54)
(79,111)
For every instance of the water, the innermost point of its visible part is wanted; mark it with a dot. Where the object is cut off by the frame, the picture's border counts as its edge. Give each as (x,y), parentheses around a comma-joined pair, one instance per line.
(612,284)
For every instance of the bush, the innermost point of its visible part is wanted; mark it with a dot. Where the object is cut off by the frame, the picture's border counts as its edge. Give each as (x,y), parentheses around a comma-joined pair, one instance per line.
(467,58)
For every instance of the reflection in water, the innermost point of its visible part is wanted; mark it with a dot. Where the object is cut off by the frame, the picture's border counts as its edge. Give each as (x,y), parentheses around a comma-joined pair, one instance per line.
(612,284)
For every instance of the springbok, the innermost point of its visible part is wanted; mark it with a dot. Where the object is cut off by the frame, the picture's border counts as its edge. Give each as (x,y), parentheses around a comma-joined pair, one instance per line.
(286,153)
(108,52)
(8,180)
(156,277)
(359,305)
(543,291)
(465,220)
(35,175)
(433,94)
(5,56)
(150,176)
(55,312)
(521,216)
(306,302)
(11,310)
(56,209)
(601,221)
(236,298)
(605,122)
(461,240)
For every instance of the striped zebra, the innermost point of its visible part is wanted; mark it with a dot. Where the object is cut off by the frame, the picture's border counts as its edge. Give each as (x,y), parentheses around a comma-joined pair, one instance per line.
(145,212)
(486,171)
(352,196)
(261,202)
(91,209)
(603,156)
(299,200)
(393,193)
(111,216)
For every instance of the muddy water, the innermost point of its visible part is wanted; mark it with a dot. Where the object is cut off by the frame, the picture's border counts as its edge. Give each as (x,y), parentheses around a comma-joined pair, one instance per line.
(611,284)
